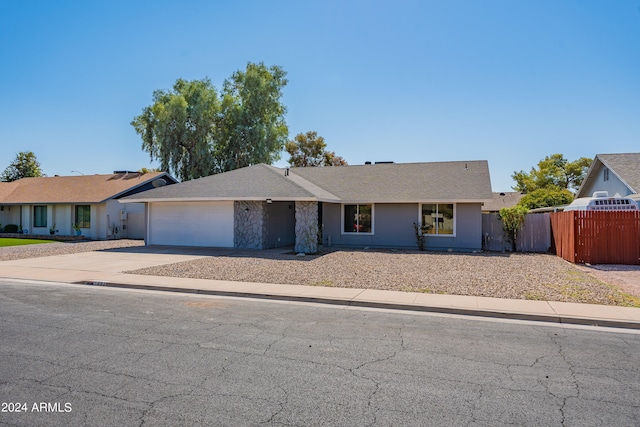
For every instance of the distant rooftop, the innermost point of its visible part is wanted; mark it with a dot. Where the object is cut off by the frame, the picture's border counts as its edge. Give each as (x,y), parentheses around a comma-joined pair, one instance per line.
(505,199)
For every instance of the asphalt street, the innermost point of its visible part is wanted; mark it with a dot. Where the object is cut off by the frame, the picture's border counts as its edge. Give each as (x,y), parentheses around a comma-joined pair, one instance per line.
(80,355)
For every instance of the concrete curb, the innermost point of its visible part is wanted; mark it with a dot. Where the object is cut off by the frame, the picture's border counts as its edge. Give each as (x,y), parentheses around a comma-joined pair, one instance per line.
(561,319)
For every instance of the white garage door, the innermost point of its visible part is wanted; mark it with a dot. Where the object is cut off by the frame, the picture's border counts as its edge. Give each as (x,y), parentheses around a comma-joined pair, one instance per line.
(191,224)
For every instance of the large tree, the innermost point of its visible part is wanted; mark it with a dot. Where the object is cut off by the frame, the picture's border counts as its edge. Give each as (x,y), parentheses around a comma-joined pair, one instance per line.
(25,165)
(309,149)
(178,128)
(194,131)
(252,128)
(553,172)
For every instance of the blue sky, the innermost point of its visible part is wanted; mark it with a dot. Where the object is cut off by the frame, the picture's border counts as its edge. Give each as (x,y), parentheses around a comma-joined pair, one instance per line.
(508,81)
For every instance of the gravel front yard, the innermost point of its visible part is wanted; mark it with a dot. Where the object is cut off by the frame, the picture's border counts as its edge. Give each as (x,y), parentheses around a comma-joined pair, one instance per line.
(63,248)
(518,276)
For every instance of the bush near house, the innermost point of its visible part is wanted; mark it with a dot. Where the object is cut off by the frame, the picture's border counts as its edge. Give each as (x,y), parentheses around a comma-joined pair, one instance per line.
(512,220)
(11,228)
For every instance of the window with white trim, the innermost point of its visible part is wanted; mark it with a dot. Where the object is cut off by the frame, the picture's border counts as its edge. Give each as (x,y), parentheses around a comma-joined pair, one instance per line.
(39,216)
(83,216)
(438,218)
(358,218)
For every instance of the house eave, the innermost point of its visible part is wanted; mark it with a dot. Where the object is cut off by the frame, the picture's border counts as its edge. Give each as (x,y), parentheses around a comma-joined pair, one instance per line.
(40,202)
(404,201)
(299,199)
(140,184)
(220,199)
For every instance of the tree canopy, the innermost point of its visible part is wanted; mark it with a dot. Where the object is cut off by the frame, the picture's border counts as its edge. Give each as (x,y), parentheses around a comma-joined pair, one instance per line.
(309,149)
(195,131)
(25,165)
(553,172)
(544,197)
(252,127)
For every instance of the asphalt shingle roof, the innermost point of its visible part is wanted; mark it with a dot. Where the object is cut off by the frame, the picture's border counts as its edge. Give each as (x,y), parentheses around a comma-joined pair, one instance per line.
(402,182)
(72,189)
(253,182)
(626,166)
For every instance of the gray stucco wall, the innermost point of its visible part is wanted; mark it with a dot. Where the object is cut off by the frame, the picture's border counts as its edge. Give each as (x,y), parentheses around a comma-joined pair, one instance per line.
(468,230)
(393,227)
(281,220)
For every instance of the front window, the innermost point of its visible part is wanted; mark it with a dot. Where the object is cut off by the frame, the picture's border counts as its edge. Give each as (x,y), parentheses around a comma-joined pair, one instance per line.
(83,216)
(437,219)
(39,216)
(358,218)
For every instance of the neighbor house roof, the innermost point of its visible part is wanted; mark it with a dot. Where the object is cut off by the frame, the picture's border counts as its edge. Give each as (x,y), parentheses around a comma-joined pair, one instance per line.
(626,166)
(74,189)
(403,182)
(505,199)
(7,188)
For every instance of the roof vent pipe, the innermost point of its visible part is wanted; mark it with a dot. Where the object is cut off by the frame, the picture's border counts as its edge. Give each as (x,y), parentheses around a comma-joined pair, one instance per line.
(367,163)
(286,172)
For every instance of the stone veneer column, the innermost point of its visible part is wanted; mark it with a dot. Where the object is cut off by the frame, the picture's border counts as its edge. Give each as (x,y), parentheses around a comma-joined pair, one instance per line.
(306,227)
(249,224)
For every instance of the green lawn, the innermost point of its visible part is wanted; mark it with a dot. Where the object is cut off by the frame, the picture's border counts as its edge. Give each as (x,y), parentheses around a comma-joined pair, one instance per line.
(5,241)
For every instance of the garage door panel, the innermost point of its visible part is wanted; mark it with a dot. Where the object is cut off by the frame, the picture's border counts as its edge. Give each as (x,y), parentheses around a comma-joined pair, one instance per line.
(191,224)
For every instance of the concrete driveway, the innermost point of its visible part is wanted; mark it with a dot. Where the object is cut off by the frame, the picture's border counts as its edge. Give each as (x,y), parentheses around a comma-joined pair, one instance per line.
(114,261)
(100,265)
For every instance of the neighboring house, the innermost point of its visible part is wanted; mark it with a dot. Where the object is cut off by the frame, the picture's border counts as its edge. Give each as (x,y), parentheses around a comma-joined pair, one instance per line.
(91,201)
(375,205)
(617,174)
(505,199)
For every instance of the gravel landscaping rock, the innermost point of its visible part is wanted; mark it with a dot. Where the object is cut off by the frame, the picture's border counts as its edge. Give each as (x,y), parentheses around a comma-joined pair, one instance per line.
(63,248)
(516,276)
(499,275)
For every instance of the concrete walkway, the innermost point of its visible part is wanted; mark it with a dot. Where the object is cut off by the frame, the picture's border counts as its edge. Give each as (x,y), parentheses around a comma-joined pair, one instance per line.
(106,269)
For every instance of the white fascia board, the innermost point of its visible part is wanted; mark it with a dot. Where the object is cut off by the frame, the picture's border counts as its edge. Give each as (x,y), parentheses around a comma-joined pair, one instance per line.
(300,199)
(588,178)
(413,201)
(220,199)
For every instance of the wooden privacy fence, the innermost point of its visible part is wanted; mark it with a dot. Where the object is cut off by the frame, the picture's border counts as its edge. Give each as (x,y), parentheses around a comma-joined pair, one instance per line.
(597,237)
(534,236)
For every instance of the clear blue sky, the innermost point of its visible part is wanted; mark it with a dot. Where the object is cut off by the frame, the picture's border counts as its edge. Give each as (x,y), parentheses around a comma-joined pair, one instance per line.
(502,80)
